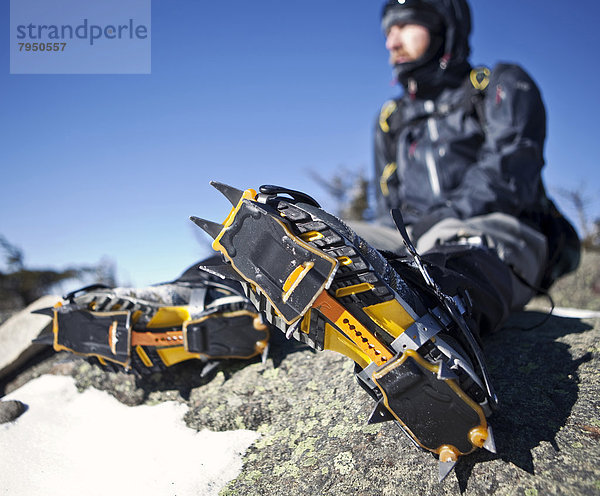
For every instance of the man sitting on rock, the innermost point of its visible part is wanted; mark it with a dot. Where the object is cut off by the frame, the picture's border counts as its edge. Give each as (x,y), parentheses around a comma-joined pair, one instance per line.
(458,161)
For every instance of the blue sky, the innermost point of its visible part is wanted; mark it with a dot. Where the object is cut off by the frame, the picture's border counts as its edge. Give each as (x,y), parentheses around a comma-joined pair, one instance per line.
(246,93)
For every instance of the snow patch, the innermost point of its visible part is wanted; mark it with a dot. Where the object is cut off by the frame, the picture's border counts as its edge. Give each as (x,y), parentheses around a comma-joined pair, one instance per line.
(70,443)
(575,313)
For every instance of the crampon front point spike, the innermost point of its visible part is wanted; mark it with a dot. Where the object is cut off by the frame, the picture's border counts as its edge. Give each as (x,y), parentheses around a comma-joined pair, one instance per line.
(232,194)
(48,311)
(45,339)
(211,228)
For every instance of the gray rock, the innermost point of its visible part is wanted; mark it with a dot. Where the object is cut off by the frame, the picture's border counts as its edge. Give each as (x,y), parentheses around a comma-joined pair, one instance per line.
(18,331)
(11,410)
(315,439)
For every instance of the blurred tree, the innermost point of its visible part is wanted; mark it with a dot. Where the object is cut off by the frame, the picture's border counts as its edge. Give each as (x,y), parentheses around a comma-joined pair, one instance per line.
(20,286)
(352,192)
(592,240)
(581,203)
(104,272)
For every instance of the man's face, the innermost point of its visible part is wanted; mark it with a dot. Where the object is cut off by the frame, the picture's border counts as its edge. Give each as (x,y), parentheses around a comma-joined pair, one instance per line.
(407,42)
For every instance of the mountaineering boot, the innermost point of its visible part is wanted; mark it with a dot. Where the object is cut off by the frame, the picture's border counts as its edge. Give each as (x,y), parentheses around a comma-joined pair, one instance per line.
(150,329)
(316,280)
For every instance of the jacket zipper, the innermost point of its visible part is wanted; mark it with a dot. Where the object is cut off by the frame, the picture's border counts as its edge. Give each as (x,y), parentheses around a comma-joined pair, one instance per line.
(432,170)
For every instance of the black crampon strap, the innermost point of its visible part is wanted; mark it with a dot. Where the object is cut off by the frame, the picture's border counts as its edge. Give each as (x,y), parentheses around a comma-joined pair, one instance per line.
(538,290)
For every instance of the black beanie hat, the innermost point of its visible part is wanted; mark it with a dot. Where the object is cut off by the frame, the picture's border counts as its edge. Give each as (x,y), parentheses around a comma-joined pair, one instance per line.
(411,12)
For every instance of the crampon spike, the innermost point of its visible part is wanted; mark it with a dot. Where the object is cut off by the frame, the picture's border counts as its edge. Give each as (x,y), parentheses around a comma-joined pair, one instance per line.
(232,194)
(208,368)
(445,468)
(380,414)
(445,372)
(265,354)
(211,228)
(490,444)
(48,312)
(45,339)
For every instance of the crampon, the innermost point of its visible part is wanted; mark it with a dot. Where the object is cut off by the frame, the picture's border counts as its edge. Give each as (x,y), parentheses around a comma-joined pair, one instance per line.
(317,281)
(150,329)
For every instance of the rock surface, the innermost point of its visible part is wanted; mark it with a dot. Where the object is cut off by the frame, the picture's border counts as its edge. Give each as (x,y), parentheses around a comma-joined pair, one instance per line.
(312,418)
(11,410)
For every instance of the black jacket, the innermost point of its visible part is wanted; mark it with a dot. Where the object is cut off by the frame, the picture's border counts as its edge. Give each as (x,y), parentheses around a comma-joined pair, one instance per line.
(467,151)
